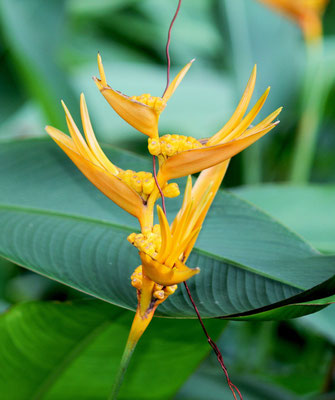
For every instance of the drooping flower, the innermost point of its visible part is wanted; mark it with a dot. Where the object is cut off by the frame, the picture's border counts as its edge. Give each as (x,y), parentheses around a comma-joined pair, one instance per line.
(307,13)
(180,155)
(142,112)
(130,190)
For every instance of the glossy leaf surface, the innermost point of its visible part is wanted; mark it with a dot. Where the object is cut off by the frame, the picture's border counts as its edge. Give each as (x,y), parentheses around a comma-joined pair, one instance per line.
(56,223)
(73,351)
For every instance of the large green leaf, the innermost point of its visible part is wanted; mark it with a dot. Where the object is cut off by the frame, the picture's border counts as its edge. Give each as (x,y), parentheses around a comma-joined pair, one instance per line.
(32,33)
(309,211)
(53,221)
(72,351)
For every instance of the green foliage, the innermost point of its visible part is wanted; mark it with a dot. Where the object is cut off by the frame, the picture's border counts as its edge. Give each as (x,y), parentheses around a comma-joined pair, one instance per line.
(56,223)
(53,221)
(304,209)
(39,23)
(73,350)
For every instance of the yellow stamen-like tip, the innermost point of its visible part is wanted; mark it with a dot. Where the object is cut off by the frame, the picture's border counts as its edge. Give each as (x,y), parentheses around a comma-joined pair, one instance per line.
(101,71)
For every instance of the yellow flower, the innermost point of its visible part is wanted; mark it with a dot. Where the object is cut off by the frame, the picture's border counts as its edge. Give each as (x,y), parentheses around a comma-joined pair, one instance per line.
(164,252)
(180,155)
(166,249)
(307,13)
(128,189)
(142,112)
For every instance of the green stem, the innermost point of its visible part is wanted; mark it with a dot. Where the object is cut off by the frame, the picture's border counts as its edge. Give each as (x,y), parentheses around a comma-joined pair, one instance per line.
(314,96)
(139,325)
(126,357)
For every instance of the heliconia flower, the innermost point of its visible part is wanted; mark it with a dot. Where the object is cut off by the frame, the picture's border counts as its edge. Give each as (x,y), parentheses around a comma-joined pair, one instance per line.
(142,112)
(307,13)
(180,155)
(128,189)
(164,252)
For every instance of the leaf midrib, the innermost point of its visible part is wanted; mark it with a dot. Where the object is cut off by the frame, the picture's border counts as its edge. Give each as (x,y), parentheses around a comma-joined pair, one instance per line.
(128,229)
(56,371)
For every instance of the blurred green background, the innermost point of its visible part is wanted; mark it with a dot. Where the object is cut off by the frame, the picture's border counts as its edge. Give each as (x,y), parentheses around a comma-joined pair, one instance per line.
(48,52)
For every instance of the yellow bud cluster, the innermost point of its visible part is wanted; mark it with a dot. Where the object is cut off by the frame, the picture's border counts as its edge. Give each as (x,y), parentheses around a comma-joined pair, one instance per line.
(157,103)
(142,182)
(169,145)
(149,243)
(136,278)
(159,292)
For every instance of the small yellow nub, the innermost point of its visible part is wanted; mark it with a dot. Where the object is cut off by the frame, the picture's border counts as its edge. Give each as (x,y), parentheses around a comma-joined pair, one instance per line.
(157,103)
(171,190)
(159,292)
(169,145)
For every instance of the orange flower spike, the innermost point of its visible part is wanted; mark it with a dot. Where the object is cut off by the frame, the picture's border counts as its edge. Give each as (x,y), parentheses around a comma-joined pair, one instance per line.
(128,189)
(141,112)
(180,155)
(307,13)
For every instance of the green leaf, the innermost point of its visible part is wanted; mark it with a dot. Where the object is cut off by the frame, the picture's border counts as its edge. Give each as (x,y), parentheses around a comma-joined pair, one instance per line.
(32,33)
(73,351)
(56,223)
(208,384)
(309,211)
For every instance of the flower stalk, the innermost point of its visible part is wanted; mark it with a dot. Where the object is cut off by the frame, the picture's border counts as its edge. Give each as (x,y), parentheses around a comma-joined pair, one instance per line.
(313,102)
(139,325)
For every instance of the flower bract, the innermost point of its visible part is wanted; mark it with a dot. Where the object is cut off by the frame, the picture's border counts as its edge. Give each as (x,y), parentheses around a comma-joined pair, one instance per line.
(180,155)
(142,112)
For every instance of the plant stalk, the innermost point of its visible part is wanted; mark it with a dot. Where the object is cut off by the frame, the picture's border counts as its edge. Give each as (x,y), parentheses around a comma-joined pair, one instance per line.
(313,100)
(243,61)
(140,324)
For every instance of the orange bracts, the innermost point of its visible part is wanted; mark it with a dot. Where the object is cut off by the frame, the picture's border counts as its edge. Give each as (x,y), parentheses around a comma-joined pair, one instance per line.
(130,190)
(307,13)
(141,112)
(180,155)
(163,248)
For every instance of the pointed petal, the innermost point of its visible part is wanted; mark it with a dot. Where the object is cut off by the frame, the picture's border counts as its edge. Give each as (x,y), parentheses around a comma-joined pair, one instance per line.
(243,125)
(186,201)
(140,116)
(108,184)
(175,83)
(211,176)
(180,247)
(59,136)
(263,124)
(239,112)
(101,71)
(180,222)
(91,139)
(166,235)
(192,161)
(191,244)
(164,275)
(77,138)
